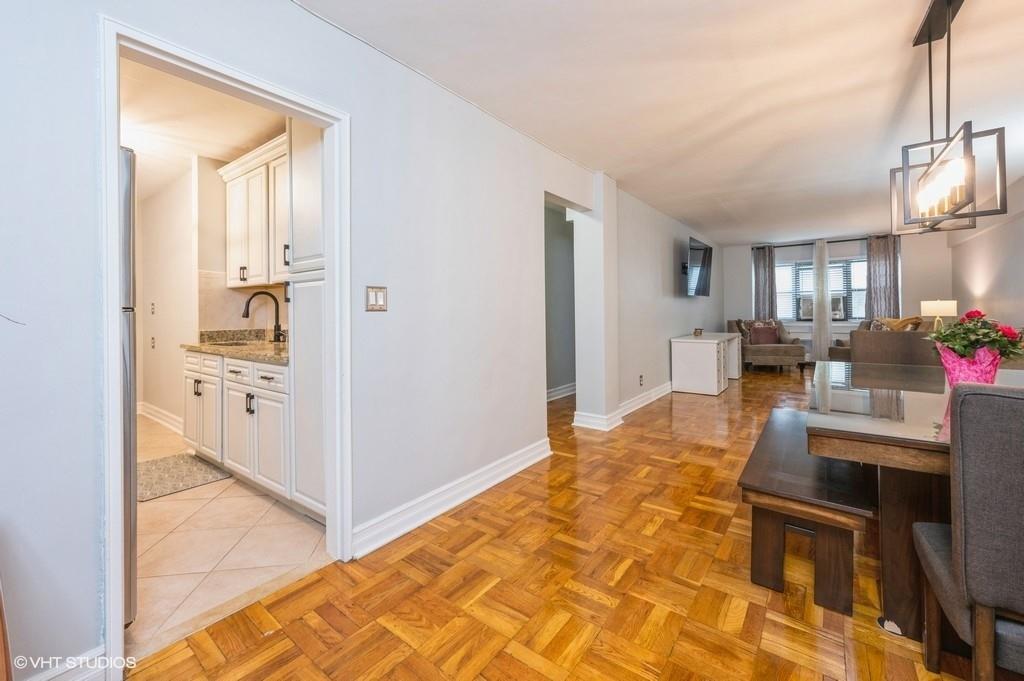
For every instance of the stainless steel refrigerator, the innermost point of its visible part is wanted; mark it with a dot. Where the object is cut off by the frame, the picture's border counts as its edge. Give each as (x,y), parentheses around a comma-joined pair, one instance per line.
(128,395)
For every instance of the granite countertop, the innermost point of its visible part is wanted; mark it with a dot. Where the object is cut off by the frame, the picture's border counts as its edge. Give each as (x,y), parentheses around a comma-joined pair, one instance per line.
(253,351)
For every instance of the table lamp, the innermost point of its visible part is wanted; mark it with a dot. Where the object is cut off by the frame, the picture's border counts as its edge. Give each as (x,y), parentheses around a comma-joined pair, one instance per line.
(938,309)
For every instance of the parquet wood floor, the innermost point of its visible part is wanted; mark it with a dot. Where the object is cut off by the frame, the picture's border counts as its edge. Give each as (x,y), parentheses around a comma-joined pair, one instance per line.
(623,556)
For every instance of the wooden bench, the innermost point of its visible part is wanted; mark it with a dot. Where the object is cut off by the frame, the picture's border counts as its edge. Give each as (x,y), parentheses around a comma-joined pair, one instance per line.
(788,487)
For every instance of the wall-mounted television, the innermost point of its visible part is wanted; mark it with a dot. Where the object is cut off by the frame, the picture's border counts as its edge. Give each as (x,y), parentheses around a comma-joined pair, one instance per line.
(697,269)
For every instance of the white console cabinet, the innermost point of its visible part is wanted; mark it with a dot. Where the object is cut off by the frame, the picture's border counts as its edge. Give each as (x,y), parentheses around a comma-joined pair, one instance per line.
(705,364)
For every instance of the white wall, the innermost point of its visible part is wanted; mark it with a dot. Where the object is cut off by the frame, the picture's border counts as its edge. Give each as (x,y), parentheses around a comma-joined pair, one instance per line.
(738,281)
(559,299)
(652,309)
(446,211)
(988,264)
(926,271)
(165,308)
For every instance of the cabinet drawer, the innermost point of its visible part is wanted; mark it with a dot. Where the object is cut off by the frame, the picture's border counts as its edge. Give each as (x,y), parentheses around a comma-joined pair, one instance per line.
(193,361)
(211,365)
(270,377)
(238,371)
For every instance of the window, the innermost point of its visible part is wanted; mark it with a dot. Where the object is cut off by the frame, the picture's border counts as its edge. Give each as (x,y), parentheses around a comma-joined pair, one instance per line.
(847,284)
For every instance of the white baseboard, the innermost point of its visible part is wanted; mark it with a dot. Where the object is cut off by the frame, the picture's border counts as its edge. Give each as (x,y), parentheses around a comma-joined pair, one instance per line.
(389,526)
(561,391)
(582,419)
(598,422)
(83,667)
(644,398)
(161,416)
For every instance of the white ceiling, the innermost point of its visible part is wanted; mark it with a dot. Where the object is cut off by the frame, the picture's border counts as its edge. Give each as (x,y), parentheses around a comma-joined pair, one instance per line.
(167,119)
(750,120)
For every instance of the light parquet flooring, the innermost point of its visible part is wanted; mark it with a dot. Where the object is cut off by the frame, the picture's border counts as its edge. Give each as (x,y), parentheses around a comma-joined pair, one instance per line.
(624,556)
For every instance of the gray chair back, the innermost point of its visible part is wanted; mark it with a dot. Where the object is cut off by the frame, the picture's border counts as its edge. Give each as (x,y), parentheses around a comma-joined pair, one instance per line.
(987,476)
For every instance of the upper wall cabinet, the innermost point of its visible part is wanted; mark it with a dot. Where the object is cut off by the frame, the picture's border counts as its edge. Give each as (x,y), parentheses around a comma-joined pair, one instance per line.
(307,225)
(258,215)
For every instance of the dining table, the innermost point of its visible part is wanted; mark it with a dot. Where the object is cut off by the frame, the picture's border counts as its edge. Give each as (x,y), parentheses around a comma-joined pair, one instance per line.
(892,419)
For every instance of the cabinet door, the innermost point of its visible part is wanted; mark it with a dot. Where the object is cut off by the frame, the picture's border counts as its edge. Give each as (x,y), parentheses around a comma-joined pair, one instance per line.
(305,155)
(307,365)
(271,440)
(191,416)
(280,219)
(237,230)
(209,417)
(237,430)
(257,270)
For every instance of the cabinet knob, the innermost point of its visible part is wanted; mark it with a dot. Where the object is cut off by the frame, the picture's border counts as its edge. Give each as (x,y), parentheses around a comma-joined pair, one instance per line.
(243,272)
(284,255)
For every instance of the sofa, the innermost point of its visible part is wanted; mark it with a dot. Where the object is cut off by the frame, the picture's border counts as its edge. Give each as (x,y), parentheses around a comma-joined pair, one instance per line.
(886,347)
(789,352)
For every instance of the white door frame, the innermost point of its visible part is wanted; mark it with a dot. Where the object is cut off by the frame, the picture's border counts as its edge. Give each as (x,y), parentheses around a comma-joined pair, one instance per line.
(146,48)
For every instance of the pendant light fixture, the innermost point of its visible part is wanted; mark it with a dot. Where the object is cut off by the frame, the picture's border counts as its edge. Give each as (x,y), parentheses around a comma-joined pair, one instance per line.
(947,183)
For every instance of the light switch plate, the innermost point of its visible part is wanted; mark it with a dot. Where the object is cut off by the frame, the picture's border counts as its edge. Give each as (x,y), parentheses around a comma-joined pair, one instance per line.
(376,299)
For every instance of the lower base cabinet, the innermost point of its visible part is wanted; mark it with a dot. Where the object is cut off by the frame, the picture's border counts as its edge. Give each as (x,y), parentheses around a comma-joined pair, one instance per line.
(243,421)
(202,420)
(271,444)
(257,442)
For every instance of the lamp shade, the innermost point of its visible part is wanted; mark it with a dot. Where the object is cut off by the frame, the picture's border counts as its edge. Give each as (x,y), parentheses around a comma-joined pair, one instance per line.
(938,308)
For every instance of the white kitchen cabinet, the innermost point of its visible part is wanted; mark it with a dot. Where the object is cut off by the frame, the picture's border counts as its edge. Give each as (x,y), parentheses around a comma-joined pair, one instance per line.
(237,429)
(257,214)
(193,403)
(271,439)
(305,154)
(246,230)
(201,421)
(280,219)
(243,418)
(209,418)
(307,366)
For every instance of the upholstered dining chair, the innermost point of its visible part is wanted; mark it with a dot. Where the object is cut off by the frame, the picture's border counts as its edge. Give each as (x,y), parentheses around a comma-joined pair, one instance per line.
(972,568)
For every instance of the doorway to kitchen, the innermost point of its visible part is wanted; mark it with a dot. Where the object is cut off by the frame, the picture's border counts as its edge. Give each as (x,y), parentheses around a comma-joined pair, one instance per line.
(227,200)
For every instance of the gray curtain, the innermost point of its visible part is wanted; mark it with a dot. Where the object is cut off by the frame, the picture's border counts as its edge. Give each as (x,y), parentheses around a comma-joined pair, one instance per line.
(764,282)
(883,294)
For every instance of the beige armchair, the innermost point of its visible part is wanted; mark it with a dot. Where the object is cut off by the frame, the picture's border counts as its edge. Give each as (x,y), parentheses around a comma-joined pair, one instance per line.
(789,352)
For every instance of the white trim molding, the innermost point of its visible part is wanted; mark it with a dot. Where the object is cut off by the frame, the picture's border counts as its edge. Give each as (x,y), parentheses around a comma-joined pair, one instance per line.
(161,416)
(88,666)
(390,525)
(614,420)
(643,399)
(561,391)
(582,419)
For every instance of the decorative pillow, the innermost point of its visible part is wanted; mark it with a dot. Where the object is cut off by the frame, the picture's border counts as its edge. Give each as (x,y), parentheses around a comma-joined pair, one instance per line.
(878,325)
(741,326)
(764,335)
(904,324)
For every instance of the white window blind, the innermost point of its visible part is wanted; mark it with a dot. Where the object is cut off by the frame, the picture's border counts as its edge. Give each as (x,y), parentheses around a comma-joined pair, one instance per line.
(847,281)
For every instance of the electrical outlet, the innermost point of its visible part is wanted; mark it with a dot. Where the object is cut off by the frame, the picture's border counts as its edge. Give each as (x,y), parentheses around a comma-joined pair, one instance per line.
(152,342)
(152,308)
(641,379)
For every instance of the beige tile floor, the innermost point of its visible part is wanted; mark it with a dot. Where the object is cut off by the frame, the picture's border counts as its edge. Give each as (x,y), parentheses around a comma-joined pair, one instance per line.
(206,551)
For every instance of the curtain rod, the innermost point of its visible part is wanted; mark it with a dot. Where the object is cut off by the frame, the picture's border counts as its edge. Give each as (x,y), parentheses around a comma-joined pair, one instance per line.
(811,243)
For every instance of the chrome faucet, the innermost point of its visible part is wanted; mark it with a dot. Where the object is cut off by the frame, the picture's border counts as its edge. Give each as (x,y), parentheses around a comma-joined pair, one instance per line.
(278,333)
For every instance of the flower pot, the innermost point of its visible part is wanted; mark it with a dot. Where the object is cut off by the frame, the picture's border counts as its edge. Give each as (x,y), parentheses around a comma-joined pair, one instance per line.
(981,368)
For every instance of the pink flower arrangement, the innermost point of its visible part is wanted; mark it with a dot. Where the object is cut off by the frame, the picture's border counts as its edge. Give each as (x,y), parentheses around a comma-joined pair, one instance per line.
(975,331)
